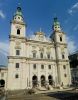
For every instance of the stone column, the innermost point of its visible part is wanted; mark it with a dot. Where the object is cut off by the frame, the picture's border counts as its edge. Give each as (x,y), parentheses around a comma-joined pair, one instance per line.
(39,80)
(46,70)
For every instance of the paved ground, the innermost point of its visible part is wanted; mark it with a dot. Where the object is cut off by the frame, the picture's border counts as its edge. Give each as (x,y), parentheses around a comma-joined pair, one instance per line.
(64,95)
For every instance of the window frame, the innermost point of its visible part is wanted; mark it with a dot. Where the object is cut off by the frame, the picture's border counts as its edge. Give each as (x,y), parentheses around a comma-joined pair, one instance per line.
(17,65)
(18,31)
(49,66)
(63,56)
(34,54)
(61,39)
(48,56)
(16,76)
(17,52)
(42,67)
(41,55)
(34,66)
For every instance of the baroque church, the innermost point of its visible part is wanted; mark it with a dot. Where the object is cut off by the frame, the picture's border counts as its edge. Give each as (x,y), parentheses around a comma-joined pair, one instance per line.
(38,61)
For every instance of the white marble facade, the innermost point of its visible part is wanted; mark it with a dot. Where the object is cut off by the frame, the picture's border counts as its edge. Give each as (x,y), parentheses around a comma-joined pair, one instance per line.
(37,61)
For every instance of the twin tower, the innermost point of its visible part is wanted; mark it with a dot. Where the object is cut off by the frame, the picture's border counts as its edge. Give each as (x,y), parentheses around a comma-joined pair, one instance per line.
(38,61)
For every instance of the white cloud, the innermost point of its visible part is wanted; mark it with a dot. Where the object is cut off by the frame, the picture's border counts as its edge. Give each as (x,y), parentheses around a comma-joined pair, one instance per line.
(2,15)
(71,45)
(4,48)
(73,9)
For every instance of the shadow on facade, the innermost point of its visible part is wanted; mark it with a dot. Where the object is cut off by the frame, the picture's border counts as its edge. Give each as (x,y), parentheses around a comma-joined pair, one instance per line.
(64,95)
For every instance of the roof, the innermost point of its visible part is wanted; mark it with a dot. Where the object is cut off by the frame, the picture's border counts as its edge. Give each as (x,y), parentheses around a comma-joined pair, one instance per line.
(3,67)
(19,12)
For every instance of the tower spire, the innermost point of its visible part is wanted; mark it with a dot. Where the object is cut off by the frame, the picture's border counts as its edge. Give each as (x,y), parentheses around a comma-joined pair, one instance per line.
(56,25)
(18,16)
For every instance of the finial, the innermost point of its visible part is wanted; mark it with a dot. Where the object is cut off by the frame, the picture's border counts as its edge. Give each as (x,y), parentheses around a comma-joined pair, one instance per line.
(55,19)
(19,6)
(19,3)
(40,29)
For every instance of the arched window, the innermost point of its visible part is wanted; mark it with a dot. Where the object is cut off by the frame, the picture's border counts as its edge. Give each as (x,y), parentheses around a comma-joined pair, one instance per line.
(43,80)
(34,54)
(41,55)
(61,38)
(2,83)
(34,81)
(48,56)
(63,57)
(18,31)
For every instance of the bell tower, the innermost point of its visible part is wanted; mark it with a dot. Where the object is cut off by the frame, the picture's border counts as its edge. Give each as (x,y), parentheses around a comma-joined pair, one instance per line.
(17,24)
(62,61)
(17,54)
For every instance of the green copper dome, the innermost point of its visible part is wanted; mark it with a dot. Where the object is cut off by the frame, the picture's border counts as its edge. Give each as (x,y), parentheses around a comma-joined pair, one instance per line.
(56,23)
(19,12)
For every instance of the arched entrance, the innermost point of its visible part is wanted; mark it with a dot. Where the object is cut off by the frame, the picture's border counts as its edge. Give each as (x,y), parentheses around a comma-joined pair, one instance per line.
(50,79)
(42,80)
(2,83)
(34,80)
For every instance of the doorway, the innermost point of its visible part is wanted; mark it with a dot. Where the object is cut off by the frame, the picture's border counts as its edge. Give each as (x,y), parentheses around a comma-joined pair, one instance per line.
(34,81)
(42,80)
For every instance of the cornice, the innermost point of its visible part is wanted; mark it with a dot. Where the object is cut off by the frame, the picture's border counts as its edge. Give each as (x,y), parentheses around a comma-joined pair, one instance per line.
(16,57)
(31,59)
(48,60)
(40,42)
(58,32)
(57,44)
(13,36)
(16,22)
(61,60)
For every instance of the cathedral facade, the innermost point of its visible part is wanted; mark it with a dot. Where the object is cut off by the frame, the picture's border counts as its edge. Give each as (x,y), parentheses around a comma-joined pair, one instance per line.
(38,61)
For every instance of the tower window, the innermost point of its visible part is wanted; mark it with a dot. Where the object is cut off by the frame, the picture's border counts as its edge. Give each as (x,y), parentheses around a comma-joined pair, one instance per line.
(16,76)
(18,31)
(64,66)
(18,17)
(61,39)
(63,56)
(34,66)
(65,75)
(17,65)
(42,66)
(17,52)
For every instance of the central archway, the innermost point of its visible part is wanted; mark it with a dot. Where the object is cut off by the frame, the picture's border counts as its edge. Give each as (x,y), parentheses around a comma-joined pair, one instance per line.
(34,80)
(42,80)
(2,83)
(50,79)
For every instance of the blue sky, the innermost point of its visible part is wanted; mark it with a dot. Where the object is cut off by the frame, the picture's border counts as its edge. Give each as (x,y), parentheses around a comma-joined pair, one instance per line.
(39,14)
